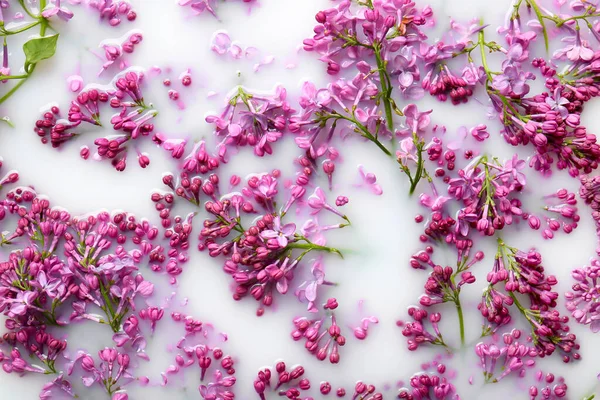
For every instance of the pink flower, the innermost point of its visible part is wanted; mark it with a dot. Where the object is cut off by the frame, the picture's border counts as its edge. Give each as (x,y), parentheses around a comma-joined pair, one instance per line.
(370,180)
(577,51)
(279,232)
(416,121)
(55,9)
(309,289)
(406,152)
(23,301)
(317,200)
(313,99)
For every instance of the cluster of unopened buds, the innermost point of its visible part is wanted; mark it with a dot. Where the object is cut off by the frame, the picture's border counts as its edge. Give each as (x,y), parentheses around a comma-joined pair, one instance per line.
(262,227)
(132,122)
(217,372)
(113,11)
(322,336)
(116,49)
(434,386)
(290,383)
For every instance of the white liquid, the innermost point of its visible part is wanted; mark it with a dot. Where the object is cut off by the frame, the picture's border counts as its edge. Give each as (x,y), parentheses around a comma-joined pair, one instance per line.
(382,237)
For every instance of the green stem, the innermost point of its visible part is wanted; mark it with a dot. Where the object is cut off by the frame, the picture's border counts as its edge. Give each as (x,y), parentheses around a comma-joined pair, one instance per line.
(481,41)
(461,320)
(419,172)
(312,246)
(540,17)
(5,32)
(43,27)
(7,77)
(12,91)
(365,132)
(109,310)
(561,22)
(22,3)
(386,90)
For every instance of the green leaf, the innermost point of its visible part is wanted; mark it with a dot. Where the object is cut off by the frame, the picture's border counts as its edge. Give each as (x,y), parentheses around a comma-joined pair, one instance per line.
(39,49)
(7,121)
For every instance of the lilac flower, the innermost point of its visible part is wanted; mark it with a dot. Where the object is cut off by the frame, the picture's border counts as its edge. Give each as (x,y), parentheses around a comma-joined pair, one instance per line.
(317,201)
(416,121)
(219,388)
(23,302)
(557,102)
(407,151)
(479,132)
(512,357)
(55,8)
(309,289)
(584,301)
(59,385)
(282,274)
(370,180)
(578,51)
(405,66)
(512,80)
(279,232)
(428,386)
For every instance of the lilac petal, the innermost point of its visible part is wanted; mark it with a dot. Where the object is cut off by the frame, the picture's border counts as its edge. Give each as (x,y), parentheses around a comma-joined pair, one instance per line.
(311,291)
(269,234)
(376,189)
(288,229)
(221,43)
(595,326)
(236,51)
(234,130)
(145,288)
(88,381)
(282,286)
(406,79)
(282,241)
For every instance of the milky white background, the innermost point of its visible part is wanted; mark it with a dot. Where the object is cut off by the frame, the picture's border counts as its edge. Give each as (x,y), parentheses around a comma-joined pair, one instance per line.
(378,244)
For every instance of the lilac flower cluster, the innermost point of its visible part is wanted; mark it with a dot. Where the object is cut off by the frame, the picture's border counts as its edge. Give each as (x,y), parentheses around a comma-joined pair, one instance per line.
(549,387)
(293,380)
(217,372)
(262,228)
(133,121)
(584,299)
(112,11)
(252,119)
(433,386)
(116,49)
(550,120)
(263,258)
(323,336)
(64,269)
(511,357)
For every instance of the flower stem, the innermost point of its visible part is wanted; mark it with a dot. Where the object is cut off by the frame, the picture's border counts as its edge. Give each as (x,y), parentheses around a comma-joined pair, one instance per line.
(312,246)
(363,131)
(461,321)
(419,172)
(386,89)
(4,32)
(540,17)
(481,41)
(13,90)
